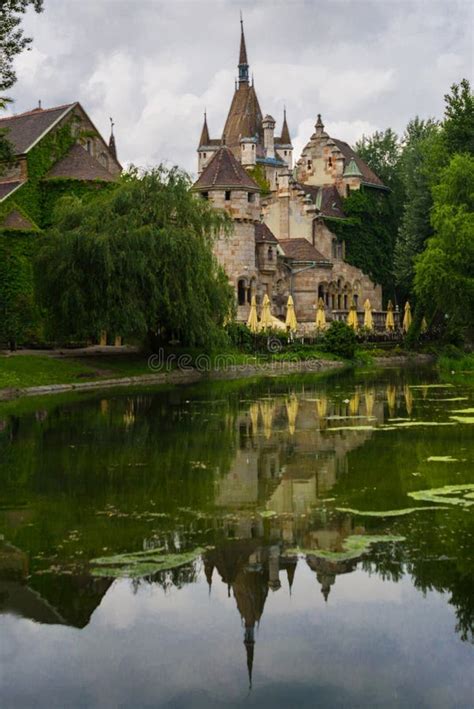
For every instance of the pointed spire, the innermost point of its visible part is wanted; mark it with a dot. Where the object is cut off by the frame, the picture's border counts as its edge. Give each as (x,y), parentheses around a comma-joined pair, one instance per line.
(249,642)
(112,146)
(285,133)
(243,62)
(319,126)
(204,139)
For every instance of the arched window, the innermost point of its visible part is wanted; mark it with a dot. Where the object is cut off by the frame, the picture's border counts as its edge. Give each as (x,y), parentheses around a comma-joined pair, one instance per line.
(345,301)
(329,162)
(241,291)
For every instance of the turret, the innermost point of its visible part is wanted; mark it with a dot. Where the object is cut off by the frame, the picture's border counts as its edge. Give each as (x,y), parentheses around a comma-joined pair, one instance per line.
(248,151)
(283,145)
(205,150)
(268,125)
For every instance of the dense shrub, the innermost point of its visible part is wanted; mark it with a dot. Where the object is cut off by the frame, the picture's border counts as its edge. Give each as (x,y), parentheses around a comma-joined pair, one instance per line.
(340,339)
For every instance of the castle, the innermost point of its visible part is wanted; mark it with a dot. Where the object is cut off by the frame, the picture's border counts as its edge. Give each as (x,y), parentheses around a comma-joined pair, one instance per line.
(282,242)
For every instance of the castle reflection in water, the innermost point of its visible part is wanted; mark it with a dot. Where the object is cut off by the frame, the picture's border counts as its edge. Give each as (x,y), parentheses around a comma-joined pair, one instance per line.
(286,458)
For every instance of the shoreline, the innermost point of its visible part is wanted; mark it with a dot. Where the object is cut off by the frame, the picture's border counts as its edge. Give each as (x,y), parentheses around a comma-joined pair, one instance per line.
(191,376)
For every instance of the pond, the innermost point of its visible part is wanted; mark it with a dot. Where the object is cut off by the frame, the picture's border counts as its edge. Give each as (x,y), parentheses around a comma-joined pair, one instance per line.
(298,542)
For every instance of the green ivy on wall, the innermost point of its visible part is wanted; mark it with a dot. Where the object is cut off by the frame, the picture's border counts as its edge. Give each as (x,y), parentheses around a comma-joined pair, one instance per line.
(367,235)
(257,173)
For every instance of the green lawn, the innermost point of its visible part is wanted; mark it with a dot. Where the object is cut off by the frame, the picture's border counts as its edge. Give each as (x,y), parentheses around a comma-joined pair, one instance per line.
(33,370)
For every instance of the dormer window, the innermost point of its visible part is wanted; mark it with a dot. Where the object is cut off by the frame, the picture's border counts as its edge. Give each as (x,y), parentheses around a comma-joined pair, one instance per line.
(308,164)
(227,196)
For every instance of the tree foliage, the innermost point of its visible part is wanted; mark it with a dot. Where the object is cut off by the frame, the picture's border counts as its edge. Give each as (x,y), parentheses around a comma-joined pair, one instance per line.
(444,272)
(458,125)
(137,261)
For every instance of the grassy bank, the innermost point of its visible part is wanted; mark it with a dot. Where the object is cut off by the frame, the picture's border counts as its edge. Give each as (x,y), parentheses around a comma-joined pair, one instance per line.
(456,365)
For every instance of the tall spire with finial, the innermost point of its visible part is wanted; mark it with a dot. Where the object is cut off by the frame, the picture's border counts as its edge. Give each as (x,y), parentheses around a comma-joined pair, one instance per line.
(112,146)
(249,642)
(285,133)
(243,63)
(204,140)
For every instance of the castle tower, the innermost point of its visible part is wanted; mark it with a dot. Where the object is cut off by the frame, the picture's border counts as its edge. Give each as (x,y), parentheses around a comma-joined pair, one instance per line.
(206,147)
(283,145)
(226,184)
(268,125)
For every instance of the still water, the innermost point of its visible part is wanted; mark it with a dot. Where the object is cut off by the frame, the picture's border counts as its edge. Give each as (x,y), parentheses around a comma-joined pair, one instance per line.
(212,546)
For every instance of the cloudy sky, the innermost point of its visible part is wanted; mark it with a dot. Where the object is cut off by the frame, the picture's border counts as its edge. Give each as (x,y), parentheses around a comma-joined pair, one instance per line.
(154,65)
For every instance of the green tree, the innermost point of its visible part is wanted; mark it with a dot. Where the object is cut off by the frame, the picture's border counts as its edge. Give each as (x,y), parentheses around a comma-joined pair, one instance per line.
(381,151)
(17,306)
(458,127)
(444,272)
(421,142)
(136,261)
(12,43)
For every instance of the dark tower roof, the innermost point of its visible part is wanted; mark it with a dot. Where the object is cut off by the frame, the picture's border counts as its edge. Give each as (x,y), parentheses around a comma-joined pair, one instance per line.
(112,146)
(204,139)
(224,171)
(285,133)
(243,62)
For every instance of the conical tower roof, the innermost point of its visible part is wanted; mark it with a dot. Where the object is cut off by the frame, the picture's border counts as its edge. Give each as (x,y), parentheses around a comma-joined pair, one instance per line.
(285,133)
(204,139)
(224,172)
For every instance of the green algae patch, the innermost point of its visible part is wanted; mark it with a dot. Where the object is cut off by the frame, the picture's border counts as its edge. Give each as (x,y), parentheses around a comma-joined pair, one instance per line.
(431,386)
(267,513)
(409,424)
(388,513)
(352,428)
(353,547)
(463,419)
(442,459)
(463,411)
(447,495)
(141,563)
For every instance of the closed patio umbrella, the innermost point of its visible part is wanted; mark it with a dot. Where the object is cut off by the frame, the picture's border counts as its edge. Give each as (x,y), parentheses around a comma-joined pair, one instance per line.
(368,319)
(352,320)
(291,322)
(320,315)
(252,322)
(407,317)
(292,413)
(266,315)
(389,321)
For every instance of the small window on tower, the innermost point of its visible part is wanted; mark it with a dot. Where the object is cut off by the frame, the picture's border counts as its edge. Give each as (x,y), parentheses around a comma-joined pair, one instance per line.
(205,195)
(250,197)
(329,162)
(308,164)
(270,253)
(227,196)
(89,146)
(204,155)
(285,152)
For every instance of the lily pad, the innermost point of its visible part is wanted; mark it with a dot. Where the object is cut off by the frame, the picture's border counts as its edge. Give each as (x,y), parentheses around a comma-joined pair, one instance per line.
(431,386)
(352,428)
(446,495)
(442,459)
(141,563)
(353,547)
(408,424)
(463,419)
(463,411)
(388,513)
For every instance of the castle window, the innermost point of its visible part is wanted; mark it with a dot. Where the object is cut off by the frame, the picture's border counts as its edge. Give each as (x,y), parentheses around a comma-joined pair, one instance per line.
(345,302)
(253,147)
(285,152)
(89,146)
(348,190)
(334,248)
(241,292)
(308,164)
(227,196)
(270,253)
(205,195)
(329,162)
(356,299)
(204,155)
(250,197)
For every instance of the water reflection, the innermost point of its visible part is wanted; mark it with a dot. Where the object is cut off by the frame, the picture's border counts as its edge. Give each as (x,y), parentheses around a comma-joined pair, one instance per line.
(253,474)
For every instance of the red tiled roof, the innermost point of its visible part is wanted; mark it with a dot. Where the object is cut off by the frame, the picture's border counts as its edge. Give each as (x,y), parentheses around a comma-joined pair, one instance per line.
(263,233)
(301,250)
(24,129)
(225,171)
(7,187)
(16,220)
(78,164)
(368,177)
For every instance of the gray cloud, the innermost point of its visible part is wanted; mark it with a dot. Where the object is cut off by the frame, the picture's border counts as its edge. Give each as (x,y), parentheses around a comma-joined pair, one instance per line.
(155,65)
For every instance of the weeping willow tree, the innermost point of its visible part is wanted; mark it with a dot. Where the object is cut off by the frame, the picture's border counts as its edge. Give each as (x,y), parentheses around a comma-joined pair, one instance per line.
(137,261)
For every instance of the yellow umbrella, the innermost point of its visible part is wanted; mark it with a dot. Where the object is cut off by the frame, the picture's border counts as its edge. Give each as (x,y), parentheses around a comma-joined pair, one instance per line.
(320,315)
(389,321)
(252,322)
(267,409)
(408,399)
(354,404)
(253,411)
(352,320)
(369,402)
(407,317)
(391,399)
(266,315)
(368,319)
(322,406)
(424,326)
(292,413)
(291,322)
